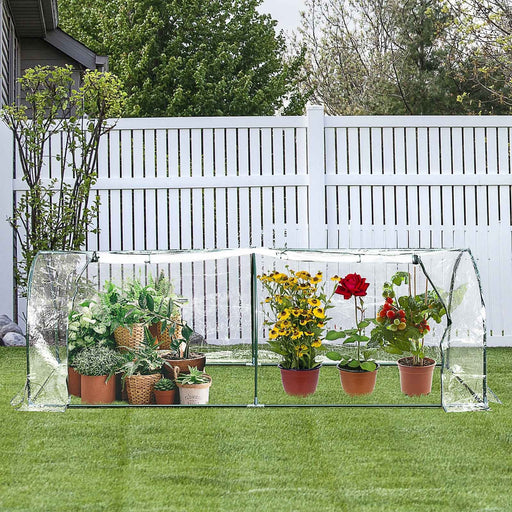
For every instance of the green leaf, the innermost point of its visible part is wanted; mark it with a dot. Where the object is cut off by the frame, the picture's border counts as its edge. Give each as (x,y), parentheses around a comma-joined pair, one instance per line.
(354,363)
(363,325)
(334,356)
(150,303)
(334,335)
(369,366)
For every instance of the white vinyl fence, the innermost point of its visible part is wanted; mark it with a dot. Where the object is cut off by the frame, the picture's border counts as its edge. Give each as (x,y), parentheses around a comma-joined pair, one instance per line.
(312,181)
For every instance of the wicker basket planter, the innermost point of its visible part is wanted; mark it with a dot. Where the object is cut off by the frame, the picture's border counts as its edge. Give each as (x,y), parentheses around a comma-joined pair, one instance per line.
(129,337)
(140,388)
(165,338)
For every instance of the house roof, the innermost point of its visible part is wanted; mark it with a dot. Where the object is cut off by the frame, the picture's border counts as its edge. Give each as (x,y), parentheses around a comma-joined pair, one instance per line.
(75,49)
(34,18)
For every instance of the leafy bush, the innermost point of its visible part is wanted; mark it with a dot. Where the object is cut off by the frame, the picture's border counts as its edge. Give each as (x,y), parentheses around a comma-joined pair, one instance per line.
(97,360)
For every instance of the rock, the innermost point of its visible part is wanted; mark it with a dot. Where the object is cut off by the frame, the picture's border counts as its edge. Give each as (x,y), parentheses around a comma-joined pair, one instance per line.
(4,320)
(14,339)
(196,339)
(10,327)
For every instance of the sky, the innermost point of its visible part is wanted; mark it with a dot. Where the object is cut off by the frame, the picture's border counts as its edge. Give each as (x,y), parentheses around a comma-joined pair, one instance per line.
(286,12)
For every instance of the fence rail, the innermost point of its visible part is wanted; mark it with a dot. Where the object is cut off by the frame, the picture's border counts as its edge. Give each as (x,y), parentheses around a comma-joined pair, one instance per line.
(312,181)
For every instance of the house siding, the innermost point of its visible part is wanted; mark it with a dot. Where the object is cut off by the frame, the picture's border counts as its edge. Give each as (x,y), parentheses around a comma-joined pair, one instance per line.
(9,56)
(36,52)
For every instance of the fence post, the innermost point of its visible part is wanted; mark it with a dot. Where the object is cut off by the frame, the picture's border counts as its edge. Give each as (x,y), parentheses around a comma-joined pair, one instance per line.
(316,173)
(6,234)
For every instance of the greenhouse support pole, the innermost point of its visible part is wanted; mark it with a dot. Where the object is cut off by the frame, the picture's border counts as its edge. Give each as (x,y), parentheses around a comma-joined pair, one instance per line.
(7,288)
(254,324)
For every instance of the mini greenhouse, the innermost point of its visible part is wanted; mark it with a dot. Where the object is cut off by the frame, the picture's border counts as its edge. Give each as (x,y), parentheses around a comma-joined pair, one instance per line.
(223,302)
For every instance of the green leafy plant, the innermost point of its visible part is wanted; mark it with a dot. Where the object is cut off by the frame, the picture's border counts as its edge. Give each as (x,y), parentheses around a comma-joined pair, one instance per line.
(97,360)
(56,214)
(159,305)
(402,322)
(194,376)
(89,324)
(165,385)
(353,285)
(118,307)
(296,316)
(144,360)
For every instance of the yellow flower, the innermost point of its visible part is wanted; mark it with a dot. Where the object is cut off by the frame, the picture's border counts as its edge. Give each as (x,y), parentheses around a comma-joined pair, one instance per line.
(273,334)
(302,274)
(316,279)
(314,302)
(296,335)
(304,286)
(284,315)
(303,322)
(296,312)
(335,278)
(319,312)
(316,343)
(320,324)
(268,299)
(309,333)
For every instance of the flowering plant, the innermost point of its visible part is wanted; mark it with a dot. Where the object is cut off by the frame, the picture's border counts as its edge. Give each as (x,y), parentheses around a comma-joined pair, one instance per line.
(353,285)
(297,316)
(403,322)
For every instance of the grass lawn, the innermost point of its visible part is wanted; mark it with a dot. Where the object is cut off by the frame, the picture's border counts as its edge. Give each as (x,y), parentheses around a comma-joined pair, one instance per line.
(255,459)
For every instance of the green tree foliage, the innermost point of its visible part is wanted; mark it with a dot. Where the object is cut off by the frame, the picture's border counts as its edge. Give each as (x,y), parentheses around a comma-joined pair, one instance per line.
(188,58)
(485,30)
(55,214)
(391,57)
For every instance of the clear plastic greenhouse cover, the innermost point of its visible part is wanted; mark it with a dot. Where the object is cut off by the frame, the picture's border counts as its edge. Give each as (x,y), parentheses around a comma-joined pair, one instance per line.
(224,303)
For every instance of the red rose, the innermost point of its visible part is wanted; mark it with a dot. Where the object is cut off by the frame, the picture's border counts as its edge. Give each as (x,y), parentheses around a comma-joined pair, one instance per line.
(352,284)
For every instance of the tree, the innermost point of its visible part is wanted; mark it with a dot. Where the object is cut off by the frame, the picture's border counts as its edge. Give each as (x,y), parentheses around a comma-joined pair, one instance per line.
(388,57)
(56,214)
(485,28)
(187,58)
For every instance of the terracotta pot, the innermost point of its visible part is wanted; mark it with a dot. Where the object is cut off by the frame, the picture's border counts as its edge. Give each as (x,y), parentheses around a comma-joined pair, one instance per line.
(355,381)
(300,382)
(416,380)
(95,389)
(165,397)
(198,361)
(195,394)
(73,382)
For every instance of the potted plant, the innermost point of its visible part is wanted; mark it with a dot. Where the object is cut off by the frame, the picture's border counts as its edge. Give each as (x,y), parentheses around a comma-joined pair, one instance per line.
(194,386)
(88,325)
(96,365)
(166,304)
(296,316)
(140,369)
(163,315)
(165,391)
(127,321)
(401,325)
(357,375)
